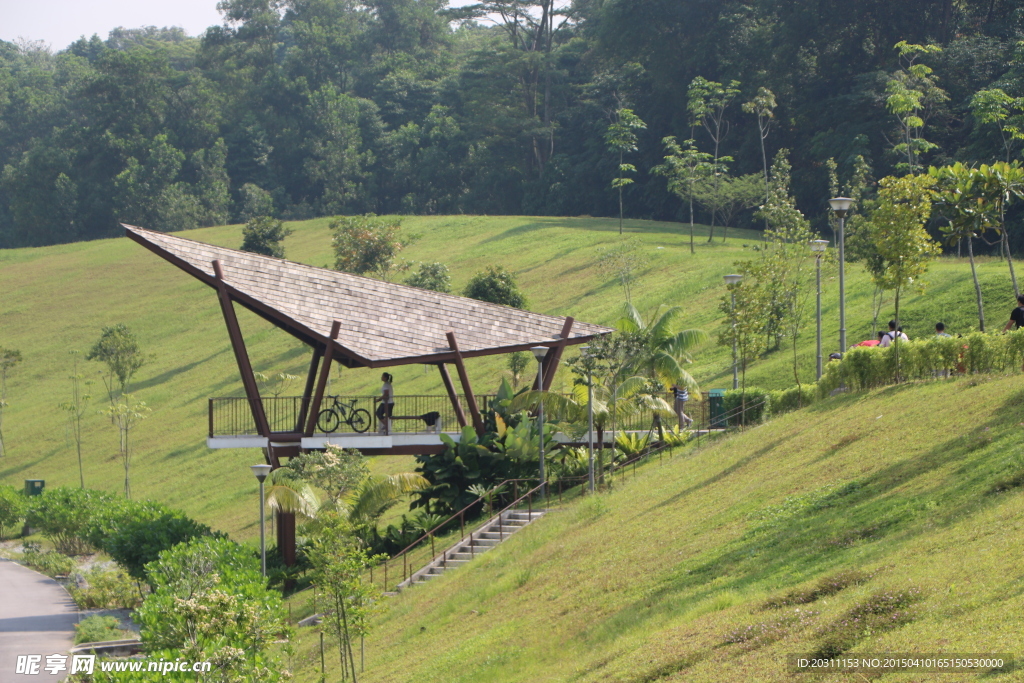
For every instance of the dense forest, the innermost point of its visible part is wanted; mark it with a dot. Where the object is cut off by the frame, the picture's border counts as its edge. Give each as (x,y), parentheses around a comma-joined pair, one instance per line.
(300,108)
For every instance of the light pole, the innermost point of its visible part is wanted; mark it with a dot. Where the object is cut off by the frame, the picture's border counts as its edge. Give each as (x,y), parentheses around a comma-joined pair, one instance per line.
(818,247)
(585,350)
(539,352)
(732,280)
(840,205)
(261,472)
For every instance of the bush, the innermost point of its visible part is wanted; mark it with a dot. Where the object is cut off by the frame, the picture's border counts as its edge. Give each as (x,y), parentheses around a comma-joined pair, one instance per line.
(497,286)
(432,276)
(142,532)
(757,402)
(106,589)
(97,629)
(12,508)
(48,562)
(63,516)
(786,400)
(263,235)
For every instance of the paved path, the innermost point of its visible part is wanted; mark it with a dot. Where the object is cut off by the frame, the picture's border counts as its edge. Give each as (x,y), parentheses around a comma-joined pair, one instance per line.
(37,617)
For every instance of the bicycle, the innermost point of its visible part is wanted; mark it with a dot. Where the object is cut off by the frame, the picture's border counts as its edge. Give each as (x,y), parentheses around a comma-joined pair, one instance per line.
(329,419)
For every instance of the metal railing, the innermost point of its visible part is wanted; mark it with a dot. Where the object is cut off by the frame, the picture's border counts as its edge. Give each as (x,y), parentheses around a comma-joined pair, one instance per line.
(232,416)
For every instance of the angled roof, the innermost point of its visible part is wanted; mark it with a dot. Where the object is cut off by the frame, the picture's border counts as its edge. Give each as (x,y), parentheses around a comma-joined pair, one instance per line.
(382,323)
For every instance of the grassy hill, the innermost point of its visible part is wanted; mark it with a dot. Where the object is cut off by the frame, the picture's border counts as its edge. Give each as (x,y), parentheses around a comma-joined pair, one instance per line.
(56,299)
(900,509)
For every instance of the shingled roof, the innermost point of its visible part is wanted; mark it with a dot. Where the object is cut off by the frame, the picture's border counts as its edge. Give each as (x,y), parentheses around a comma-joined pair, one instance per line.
(382,323)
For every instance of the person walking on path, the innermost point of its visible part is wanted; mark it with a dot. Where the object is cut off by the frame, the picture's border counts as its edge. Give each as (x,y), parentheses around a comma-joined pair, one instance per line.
(681,397)
(387,403)
(892,335)
(1016,315)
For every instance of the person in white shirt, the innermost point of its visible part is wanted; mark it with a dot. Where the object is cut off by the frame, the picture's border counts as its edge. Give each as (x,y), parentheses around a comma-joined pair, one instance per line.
(387,403)
(892,335)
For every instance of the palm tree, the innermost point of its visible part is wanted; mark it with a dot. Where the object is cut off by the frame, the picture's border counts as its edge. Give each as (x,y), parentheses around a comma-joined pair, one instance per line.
(662,352)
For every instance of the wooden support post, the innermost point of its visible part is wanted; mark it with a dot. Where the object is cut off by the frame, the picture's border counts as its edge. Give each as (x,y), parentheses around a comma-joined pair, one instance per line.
(307,393)
(452,395)
(252,391)
(478,423)
(555,354)
(325,372)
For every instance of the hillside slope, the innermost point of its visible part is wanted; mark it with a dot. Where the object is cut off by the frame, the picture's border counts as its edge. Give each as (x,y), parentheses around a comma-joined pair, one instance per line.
(916,488)
(55,299)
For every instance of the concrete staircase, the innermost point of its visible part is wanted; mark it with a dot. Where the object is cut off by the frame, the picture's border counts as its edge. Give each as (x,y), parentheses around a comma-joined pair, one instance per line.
(494,531)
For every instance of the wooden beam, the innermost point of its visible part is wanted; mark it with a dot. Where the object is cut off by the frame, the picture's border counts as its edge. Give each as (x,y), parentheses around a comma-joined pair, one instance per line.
(454,397)
(307,393)
(554,356)
(252,391)
(325,372)
(467,389)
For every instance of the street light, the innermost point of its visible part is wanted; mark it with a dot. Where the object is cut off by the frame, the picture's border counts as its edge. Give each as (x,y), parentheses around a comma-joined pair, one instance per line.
(733,280)
(840,205)
(539,352)
(819,247)
(585,350)
(262,472)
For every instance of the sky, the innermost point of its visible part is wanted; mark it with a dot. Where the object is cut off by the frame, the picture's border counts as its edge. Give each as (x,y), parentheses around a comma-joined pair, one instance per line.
(59,23)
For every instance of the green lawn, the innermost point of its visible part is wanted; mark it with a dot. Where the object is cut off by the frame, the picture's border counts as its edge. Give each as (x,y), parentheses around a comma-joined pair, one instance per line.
(56,299)
(913,491)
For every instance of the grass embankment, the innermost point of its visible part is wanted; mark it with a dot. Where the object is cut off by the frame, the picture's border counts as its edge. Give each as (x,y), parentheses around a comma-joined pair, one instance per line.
(901,507)
(57,298)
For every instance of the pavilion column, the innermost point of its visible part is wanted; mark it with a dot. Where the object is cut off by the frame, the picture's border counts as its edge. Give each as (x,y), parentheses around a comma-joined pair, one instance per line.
(325,372)
(452,395)
(307,393)
(556,354)
(252,391)
(453,344)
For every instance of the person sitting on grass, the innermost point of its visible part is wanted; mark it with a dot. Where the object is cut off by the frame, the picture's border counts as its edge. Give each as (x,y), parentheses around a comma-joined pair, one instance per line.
(892,335)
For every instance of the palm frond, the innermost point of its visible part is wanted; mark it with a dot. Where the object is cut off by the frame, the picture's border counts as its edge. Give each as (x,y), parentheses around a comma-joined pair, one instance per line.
(288,493)
(376,494)
(631,320)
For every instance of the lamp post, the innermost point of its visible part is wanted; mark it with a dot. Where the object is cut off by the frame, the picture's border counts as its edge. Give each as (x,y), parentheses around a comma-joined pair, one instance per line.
(539,352)
(840,205)
(732,280)
(261,472)
(585,350)
(818,247)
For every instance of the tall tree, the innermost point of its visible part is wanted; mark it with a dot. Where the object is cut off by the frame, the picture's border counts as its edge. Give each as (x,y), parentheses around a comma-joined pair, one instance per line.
(685,167)
(707,103)
(76,408)
(763,106)
(912,94)
(621,138)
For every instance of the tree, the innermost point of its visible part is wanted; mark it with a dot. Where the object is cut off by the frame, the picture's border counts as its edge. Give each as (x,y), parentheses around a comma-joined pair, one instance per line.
(369,245)
(263,235)
(64,515)
(497,286)
(743,326)
(685,167)
(763,106)
(119,350)
(707,102)
(76,409)
(126,413)
(621,138)
(339,567)
(897,227)
(518,361)
(624,262)
(254,202)
(726,196)
(911,96)
(994,106)
(210,603)
(1004,182)
(12,508)
(431,276)
(8,359)
(970,211)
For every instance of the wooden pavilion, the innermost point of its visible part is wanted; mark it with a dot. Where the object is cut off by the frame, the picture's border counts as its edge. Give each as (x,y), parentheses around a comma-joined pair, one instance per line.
(357,322)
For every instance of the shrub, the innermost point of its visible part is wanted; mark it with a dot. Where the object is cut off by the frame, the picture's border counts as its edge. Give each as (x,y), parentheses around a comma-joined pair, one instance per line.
(432,276)
(497,286)
(63,516)
(106,589)
(48,562)
(757,401)
(631,444)
(97,629)
(12,508)
(793,398)
(263,235)
(368,245)
(142,534)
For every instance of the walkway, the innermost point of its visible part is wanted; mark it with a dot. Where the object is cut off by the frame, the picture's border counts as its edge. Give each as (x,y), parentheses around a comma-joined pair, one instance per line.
(37,617)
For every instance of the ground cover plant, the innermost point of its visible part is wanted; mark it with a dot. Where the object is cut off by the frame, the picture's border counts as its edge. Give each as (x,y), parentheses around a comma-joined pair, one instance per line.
(894,530)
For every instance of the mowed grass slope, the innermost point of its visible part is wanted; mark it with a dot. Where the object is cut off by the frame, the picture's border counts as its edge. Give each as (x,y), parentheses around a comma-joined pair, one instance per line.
(56,299)
(910,491)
